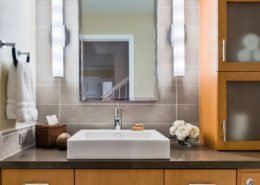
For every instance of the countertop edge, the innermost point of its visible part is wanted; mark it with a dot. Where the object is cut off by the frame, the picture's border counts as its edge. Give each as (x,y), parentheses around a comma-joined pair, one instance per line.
(130,165)
(197,157)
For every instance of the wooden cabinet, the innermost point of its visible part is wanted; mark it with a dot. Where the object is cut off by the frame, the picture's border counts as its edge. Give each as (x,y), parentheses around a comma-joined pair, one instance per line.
(130,177)
(44,177)
(200,177)
(239,99)
(230,74)
(239,34)
(248,177)
(119,177)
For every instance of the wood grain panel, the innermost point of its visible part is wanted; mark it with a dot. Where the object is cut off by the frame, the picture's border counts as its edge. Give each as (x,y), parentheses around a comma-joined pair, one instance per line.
(186,177)
(245,174)
(209,53)
(119,177)
(51,177)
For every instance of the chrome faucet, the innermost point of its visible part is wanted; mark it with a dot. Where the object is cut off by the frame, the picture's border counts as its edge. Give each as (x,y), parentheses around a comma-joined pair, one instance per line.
(118,118)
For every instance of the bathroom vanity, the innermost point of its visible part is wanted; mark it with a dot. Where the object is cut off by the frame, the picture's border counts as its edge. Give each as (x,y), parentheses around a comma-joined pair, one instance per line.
(197,165)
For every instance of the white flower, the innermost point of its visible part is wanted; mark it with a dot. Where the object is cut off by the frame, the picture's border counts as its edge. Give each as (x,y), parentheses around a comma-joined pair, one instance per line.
(194,132)
(173,130)
(182,132)
(188,125)
(178,123)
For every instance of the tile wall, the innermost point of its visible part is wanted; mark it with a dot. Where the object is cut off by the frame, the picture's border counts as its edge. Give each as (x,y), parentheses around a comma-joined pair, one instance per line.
(178,97)
(14,140)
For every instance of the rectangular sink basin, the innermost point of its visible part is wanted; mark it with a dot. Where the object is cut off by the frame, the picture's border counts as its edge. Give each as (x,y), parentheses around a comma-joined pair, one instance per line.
(118,144)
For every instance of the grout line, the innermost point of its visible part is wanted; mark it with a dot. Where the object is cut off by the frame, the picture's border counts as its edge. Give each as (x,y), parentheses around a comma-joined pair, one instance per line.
(43,27)
(176,90)
(1,154)
(42,6)
(192,7)
(114,104)
(59,99)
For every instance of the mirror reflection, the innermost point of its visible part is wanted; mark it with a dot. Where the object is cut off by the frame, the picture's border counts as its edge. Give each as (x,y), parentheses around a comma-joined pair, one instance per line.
(118,50)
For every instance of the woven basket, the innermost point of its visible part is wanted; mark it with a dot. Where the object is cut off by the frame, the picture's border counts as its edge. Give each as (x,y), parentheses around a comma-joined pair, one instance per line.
(46,135)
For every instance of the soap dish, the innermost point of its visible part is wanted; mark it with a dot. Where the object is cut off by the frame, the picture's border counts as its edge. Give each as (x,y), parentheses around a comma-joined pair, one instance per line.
(138,127)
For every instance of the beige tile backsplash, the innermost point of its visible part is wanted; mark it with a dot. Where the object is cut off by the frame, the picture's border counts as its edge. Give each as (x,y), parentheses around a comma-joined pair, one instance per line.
(178,98)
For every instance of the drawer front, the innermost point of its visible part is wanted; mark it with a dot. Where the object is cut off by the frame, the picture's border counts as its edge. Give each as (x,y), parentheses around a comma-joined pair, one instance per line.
(119,177)
(200,177)
(248,177)
(37,177)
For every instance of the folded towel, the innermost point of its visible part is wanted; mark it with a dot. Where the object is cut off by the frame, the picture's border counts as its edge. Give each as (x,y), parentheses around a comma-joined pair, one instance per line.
(20,97)
(251,41)
(244,55)
(26,107)
(256,54)
(11,93)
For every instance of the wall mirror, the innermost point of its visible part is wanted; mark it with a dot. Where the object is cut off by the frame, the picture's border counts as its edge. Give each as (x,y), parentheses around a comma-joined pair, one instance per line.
(118,50)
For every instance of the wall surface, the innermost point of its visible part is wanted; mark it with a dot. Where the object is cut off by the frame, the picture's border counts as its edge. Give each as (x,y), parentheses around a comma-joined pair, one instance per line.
(178,97)
(17,24)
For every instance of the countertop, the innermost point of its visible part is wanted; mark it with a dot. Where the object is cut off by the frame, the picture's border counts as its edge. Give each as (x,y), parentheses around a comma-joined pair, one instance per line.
(197,157)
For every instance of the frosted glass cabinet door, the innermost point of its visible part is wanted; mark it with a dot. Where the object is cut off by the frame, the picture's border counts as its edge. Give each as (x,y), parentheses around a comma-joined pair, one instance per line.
(243,111)
(243,32)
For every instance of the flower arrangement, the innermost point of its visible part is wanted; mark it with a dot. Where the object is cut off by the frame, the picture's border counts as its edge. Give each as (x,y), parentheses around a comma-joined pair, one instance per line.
(185,132)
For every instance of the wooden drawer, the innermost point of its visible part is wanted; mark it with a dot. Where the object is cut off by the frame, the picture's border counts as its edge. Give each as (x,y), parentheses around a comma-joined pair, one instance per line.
(46,177)
(119,177)
(244,177)
(200,177)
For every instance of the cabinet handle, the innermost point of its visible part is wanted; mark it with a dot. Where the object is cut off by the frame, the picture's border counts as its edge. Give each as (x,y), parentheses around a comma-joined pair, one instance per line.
(202,184)
(35,183)
(223,50)
(249,181)
(224,131)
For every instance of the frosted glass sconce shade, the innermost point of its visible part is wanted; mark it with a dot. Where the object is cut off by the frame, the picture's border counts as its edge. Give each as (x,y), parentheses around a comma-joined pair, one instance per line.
(58,37)
(178,38)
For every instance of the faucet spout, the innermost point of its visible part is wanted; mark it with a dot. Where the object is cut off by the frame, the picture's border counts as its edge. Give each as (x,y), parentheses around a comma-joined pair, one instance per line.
(118,118)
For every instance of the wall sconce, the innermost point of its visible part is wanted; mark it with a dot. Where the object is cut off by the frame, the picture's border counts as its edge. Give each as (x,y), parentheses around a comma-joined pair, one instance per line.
(58,38)
(178,38)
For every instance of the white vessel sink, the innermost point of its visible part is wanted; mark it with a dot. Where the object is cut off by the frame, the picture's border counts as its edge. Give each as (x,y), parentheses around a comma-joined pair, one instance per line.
(118,144)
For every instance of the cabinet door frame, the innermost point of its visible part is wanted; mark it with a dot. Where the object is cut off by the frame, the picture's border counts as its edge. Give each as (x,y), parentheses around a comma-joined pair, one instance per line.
(224,64)
(225,77)
(250,173)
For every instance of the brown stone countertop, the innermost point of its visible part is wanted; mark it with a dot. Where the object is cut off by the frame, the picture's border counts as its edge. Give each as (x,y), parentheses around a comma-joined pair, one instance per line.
(197,157)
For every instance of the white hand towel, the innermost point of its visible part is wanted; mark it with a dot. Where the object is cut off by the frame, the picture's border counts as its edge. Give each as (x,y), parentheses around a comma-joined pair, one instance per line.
(11,93)
(26,107)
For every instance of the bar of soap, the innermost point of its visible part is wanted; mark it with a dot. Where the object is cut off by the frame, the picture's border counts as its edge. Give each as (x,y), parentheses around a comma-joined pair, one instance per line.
(138,127)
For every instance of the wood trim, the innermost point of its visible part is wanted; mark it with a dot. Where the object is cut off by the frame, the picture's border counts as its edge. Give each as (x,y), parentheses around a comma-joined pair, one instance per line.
(209,44)
(130,38)
(222,29)
(243,1)
(239,66)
